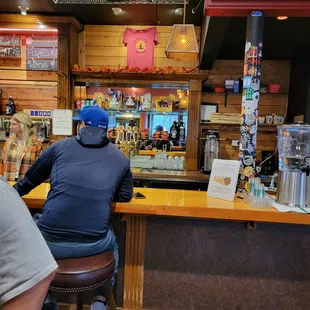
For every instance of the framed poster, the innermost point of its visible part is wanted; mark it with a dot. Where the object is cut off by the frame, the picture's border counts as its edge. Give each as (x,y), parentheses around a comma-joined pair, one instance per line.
(206,110)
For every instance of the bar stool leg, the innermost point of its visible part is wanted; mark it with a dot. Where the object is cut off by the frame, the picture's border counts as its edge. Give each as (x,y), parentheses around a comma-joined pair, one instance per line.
(79,301)
(110,297)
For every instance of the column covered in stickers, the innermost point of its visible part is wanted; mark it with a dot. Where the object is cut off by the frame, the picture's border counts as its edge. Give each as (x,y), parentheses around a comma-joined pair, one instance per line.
(250,97)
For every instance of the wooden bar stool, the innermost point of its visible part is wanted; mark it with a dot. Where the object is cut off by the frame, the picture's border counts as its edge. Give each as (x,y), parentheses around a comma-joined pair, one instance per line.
(77,275)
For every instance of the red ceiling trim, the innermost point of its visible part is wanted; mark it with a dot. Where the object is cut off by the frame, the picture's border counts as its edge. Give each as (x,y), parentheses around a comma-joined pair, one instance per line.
(243,7)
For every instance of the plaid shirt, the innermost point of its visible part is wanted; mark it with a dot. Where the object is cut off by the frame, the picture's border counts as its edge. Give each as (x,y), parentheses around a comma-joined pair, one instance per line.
(27,157)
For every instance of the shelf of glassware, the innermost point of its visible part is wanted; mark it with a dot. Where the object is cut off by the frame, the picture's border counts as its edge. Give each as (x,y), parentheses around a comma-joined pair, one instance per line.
(133,112)
(161,161)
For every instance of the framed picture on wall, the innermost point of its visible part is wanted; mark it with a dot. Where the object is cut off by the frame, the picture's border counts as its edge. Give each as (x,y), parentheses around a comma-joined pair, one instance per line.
(206,109)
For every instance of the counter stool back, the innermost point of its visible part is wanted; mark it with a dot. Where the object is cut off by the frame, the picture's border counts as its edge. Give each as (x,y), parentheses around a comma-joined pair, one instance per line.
(77,275)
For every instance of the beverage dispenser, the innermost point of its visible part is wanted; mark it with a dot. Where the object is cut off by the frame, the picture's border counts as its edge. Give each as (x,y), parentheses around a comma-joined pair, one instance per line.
(211,150)
(294,165)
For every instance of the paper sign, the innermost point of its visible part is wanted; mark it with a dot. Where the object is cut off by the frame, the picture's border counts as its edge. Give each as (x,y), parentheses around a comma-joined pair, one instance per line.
(223,179)
(62,122)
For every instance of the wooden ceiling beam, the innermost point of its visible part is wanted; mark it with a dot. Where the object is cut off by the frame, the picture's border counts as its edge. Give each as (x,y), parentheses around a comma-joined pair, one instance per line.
(212,34)
(31,21)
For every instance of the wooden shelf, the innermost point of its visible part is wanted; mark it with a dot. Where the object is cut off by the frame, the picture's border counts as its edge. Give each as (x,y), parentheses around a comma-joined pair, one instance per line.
(234,126)
(153,153)
(82,76)
(240,94)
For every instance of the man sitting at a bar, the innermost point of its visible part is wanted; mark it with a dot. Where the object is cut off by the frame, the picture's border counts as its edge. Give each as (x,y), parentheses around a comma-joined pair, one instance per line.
(86,173)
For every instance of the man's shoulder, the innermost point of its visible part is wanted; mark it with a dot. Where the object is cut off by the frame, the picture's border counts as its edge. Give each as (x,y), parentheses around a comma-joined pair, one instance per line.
(64,142)
(116,151)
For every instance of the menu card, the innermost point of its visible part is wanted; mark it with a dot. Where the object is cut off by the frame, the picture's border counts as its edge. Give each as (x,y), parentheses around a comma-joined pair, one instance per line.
(62,122)
(223,179)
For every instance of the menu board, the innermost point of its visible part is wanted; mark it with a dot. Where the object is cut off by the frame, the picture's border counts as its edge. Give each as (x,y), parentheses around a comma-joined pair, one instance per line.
(42,53)
(62,122)
(41,64)
(10,47)
(42,42)
(39,52)
(10,41)
(10,52)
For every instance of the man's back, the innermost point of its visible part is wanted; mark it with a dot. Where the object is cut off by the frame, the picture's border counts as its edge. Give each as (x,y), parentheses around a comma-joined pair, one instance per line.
(85,179)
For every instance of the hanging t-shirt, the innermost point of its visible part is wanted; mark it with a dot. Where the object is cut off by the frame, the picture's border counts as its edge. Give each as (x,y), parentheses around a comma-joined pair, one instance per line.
(140,47)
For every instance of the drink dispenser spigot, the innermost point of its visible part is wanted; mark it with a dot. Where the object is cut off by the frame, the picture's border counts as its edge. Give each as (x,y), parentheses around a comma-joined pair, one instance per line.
(306,169)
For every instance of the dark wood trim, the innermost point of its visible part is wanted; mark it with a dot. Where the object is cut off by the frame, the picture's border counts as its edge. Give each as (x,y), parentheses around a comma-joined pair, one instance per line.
(83,76)
(212,34)
(30,20)
(191,161)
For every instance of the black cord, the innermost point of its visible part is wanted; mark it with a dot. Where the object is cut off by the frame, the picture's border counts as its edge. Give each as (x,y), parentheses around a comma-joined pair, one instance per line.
(194,10)
(158,21)
(173,14)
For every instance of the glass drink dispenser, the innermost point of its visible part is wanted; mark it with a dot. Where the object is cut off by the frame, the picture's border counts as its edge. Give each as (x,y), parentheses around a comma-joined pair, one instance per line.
(294,165)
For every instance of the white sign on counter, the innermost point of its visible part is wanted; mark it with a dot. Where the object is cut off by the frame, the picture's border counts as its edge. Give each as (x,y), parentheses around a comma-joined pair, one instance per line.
(62,122)
(223,179)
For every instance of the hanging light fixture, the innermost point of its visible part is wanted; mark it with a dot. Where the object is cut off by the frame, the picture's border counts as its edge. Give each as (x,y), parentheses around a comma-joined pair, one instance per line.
(182,43)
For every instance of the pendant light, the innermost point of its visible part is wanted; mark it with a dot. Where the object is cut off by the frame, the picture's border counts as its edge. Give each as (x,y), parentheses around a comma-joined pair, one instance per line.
(182,43)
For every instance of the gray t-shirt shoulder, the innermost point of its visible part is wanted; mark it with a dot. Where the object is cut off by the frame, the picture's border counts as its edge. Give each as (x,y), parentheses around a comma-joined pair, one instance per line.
(25,258)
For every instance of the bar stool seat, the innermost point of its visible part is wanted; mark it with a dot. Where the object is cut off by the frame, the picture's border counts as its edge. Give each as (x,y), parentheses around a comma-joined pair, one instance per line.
(77,275)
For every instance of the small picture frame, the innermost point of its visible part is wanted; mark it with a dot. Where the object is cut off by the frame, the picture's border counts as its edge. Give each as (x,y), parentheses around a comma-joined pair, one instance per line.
(206,110)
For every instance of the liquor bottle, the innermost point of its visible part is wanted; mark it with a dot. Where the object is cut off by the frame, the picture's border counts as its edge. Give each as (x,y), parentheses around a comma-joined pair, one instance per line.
(10,106)
(174,131)
(182,131)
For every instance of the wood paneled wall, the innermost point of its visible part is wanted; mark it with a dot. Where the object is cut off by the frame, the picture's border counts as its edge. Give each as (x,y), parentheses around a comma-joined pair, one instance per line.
(29,96)
(30,89)
(272,72)
(103,46)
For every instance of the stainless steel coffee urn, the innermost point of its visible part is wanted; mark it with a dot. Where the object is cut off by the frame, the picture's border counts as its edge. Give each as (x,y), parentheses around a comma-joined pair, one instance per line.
(211,150)
(294,165)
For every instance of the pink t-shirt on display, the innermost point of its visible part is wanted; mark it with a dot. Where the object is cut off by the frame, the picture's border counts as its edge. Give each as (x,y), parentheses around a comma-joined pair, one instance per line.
(140,47)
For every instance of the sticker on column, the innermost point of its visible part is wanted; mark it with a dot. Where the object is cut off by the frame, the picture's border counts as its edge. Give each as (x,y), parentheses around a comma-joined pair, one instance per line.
(248,160)
(247,82)
(250,119)
(248,171)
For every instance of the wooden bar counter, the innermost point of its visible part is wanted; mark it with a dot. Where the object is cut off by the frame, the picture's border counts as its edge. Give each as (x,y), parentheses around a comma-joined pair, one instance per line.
(183,203)
(173,204)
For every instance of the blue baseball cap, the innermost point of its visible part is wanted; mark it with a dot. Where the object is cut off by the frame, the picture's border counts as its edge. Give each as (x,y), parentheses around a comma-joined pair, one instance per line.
(93,116)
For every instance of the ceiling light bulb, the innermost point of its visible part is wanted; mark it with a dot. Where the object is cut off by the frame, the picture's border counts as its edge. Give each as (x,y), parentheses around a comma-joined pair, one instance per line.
(179,11)
(23,9)
(117,10)
(282,17)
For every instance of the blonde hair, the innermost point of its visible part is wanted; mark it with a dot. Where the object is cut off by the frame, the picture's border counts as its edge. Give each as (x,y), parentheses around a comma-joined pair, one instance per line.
(25,122)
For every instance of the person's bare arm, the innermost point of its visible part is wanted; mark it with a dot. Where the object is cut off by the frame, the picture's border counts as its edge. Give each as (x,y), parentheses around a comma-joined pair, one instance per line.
(33,298)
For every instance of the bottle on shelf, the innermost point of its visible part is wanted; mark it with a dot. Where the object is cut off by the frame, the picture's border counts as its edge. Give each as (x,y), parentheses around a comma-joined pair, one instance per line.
(10,106)
(174,131)
(182,134)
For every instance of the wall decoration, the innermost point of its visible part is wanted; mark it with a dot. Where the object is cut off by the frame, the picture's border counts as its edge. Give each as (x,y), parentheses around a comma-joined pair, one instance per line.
(163,104)
(140,46)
